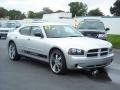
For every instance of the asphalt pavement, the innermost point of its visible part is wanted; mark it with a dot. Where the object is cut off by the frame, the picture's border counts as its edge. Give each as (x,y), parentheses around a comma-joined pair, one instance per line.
(29,74)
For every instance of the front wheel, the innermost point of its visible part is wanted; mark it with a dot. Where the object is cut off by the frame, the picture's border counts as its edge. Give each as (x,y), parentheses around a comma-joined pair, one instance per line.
(12,51)
(57,62)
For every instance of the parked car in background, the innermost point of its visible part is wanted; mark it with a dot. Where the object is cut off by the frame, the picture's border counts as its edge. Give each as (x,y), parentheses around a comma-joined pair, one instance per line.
(13,24)
(93,28)
(7,27)
(62,46)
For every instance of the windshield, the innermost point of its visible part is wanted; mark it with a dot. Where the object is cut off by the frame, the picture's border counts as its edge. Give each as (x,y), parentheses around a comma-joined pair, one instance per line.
(10,25)
(91,25)
(60,31)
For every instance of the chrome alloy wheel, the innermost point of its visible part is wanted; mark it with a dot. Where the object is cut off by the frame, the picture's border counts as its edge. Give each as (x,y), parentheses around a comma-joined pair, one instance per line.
(56,62)
(12,51)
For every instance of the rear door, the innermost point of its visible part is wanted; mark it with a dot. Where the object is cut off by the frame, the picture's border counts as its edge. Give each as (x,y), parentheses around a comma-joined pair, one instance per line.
(23,40)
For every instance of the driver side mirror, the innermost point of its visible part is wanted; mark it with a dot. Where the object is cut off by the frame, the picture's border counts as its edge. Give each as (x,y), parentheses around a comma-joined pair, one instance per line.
(107,29)
(17,26)
(38,34)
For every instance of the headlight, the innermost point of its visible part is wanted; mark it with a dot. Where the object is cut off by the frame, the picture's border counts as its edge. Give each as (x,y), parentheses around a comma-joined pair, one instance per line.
(73,51)
(111,50)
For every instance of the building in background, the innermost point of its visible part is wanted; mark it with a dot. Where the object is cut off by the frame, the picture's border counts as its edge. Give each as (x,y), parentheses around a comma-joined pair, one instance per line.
(60,15)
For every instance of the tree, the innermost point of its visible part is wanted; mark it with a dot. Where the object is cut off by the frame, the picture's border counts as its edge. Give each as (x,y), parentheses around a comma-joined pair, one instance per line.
(115,10)
(32,14)
(47,10)
(95,12)
(22,16)
(39,14)
(3,12)
(14,14)
(59,11)
(78,9)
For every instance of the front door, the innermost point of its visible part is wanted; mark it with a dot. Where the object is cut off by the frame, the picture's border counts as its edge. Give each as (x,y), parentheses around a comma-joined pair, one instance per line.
(37,44)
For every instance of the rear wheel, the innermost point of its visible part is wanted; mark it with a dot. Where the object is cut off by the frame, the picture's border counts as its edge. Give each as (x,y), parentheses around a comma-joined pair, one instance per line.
(12,51)
(57,62)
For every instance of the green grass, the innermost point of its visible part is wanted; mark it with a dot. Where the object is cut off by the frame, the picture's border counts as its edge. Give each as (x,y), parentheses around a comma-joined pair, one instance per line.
(115,40)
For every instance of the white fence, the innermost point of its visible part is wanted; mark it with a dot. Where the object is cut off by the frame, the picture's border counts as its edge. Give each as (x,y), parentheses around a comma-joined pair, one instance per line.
(111,22)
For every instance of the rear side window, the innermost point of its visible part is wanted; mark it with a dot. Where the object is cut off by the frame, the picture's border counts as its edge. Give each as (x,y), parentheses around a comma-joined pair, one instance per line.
(25,31)
(35,29)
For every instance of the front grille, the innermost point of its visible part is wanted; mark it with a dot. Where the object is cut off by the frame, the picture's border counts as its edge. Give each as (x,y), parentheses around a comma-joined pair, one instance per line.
(104,49)
(3,35)
(4,31)
(97,52)
(105,53)
(93,50)
(92,55)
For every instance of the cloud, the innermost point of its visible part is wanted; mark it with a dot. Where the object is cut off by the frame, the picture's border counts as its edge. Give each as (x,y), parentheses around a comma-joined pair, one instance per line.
(37,5)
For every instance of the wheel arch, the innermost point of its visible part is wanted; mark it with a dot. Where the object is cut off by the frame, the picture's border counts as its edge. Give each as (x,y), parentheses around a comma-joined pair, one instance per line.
(11,41)
(53,48)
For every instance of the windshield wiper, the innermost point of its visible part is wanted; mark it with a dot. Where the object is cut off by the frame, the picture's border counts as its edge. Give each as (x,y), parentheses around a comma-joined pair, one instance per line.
(55,37)
(74,36)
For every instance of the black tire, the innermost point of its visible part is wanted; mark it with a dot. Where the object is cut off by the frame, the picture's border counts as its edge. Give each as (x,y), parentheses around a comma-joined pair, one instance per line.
(16,56)
(60,60)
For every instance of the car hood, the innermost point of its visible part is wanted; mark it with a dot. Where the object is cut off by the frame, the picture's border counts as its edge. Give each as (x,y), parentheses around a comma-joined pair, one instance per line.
(84,43)
(7,28)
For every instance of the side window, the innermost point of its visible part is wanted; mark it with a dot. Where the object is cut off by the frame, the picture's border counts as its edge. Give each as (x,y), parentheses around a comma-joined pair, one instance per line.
(35,29)
(25,31)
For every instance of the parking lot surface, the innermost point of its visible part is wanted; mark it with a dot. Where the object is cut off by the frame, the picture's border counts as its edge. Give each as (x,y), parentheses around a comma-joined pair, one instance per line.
(29,74)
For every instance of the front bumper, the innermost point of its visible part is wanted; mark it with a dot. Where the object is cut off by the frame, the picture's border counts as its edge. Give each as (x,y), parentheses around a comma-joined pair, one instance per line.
(77,62)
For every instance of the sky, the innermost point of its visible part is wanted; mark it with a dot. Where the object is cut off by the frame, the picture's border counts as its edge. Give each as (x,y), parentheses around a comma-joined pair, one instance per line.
(37,5)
